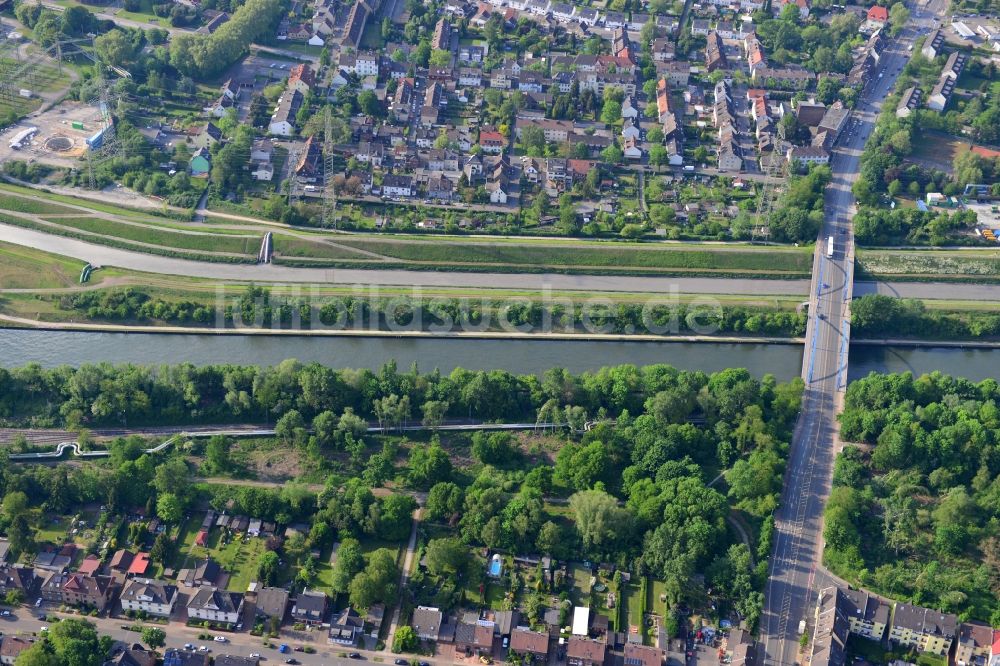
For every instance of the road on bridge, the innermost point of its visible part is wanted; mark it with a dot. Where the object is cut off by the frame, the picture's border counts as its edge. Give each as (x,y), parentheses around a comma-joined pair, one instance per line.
(796,571)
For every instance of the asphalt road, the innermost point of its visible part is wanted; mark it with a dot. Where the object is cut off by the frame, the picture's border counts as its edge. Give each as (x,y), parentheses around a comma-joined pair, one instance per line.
(25,621)
(796,565)
(100,255)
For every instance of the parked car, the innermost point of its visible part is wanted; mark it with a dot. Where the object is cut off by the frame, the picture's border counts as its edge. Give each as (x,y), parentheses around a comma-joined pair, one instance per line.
(283,648)
(203,648)
(355,655)
(290,660)
(220,639)
(401,662)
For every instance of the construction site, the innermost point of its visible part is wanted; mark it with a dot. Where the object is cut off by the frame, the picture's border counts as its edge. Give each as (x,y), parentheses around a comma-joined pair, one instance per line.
(61,137)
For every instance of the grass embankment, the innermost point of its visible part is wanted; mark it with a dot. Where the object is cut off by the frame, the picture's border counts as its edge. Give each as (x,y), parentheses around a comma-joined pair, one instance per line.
(137,231)
(577,257)
(150,234)
(929,265)
(26,268)
(143,239)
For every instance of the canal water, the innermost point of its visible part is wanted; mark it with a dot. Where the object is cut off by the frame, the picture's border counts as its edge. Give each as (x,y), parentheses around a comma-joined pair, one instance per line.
(52,348)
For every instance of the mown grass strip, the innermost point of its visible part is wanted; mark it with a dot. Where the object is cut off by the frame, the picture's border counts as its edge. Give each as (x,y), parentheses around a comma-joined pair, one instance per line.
(791,264)
(39,207)
(163,237)
(27,268)
(124,244)
(291,246)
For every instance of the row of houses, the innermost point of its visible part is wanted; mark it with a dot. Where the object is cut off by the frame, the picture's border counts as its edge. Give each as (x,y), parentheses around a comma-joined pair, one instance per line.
(841,612)
(477,633)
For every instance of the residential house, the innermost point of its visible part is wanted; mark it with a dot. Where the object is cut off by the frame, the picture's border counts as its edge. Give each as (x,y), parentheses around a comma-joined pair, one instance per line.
(310,607)
(663,49)
(178,657)
(220,107)
(215,605)
(301,78)
(867,614)
(309,168)
(715,57)
(90,566)
(941,93)
(283,119)
(975,641)
(925,629)
(346,627)
(89,591)
(498,181)
(677,72)
(146,595)
(440,188)
(394,185)
(52,560)
(877,17)
(932,44)
(271,603)
(441,38)
(830,630)
(427,622)
(700,27)
(131,655)
(12,646)
(52,585)
(555,131)
(908,102)
(631,149)
(642,655)
(808,155)
(355,26)
(740,648)
(582,651)
(630,130)
(14,577)
(474,638)
(261,153)
(207,572)
(531,644)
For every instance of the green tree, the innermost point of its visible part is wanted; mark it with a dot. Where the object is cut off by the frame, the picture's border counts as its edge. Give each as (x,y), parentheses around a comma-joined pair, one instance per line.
(154,637)
(350,561)
(377,582)
(604,527)
(268,567)
(443,501)
(169,509)
(405,640)
(446,556)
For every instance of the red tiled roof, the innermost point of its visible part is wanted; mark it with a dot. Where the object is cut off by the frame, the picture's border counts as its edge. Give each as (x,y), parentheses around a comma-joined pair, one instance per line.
(877,13)
(139,564)
(90,565)
(988,153)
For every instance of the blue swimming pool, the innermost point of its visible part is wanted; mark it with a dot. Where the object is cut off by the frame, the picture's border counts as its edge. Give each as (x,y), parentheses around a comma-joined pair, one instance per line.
(495,566)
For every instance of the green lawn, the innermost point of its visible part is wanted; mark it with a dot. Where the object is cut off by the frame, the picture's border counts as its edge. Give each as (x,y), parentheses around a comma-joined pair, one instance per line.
(633,600)
(25,268)
(581,585)
(21,204)
(793,262)
(206,242)
(237,558)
